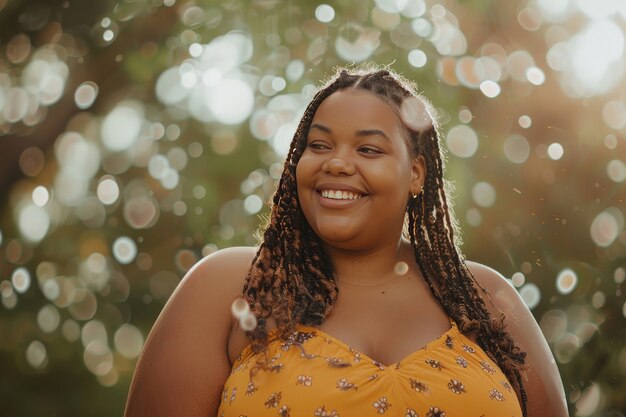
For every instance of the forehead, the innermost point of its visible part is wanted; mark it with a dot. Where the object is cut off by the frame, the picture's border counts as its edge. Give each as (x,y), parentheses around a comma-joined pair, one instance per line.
(359,107)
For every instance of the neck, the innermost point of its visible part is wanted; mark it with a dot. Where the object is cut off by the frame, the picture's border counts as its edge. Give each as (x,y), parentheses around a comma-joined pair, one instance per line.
(371,267)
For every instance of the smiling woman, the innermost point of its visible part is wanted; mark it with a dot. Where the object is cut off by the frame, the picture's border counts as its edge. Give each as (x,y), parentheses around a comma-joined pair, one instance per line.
(365,154)
(358,301)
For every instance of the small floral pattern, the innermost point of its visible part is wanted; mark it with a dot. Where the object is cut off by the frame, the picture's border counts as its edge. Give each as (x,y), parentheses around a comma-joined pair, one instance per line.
(304,380)
(336,362)
(487,367)
(449,342)
(321,412)
(344,385)
(381,405)
(411,413)
(273,400)
(468,349)
(435,412)
(494,394)
(456,386)
(461,361)
(298,338)
(418,386)
(434,364)
(356,356)
(313,375)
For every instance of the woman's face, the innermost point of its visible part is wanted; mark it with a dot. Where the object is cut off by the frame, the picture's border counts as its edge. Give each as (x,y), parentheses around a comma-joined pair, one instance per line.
(356,173)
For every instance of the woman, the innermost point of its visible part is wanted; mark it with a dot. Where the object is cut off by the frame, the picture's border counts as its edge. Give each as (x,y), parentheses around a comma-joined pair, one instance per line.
(353,318)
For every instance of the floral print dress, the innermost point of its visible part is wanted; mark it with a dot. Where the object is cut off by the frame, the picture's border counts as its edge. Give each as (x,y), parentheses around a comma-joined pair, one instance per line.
(315,374)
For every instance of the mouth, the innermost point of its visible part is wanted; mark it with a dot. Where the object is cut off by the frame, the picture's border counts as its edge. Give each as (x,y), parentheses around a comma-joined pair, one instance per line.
(340,195)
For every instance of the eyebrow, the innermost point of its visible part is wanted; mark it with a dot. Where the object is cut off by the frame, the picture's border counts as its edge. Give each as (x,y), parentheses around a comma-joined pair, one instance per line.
(362,132)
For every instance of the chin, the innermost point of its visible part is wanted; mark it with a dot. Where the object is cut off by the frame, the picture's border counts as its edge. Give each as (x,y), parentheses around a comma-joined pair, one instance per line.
(335,234)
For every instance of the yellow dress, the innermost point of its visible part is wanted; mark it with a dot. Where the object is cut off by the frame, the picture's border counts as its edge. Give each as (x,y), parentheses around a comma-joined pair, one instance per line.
(449,377)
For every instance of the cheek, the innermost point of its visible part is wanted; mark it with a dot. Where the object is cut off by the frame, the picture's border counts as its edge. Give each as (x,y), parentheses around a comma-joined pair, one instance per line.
(304,169)
(302,178)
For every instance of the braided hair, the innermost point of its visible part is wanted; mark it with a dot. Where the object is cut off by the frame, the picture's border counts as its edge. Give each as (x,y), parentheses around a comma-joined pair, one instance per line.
(292,279)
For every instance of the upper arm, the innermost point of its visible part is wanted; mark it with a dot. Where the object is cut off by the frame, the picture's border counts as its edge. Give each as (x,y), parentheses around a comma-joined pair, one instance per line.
(184,363)
(542,380)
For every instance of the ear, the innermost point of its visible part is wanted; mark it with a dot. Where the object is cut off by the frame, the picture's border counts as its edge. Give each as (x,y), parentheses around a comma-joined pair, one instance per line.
(418,178)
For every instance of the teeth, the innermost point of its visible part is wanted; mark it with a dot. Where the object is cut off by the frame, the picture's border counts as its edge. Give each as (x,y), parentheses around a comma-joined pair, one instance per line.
(340,195)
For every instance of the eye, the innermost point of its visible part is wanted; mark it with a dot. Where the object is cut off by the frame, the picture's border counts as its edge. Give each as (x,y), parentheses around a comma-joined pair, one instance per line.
(370,150)
(317,145)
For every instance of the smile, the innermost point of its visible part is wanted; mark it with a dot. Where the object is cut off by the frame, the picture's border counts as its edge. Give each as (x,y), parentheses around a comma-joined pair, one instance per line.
(340,195)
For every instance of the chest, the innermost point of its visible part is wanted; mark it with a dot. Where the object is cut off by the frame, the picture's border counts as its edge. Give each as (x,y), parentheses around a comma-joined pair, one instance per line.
(387,328)
(451,376)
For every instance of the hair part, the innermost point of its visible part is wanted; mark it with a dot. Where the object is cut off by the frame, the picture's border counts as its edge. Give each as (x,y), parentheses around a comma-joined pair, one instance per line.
(292,278)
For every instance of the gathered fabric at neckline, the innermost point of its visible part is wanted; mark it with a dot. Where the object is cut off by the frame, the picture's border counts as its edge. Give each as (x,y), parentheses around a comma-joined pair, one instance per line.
(451,333)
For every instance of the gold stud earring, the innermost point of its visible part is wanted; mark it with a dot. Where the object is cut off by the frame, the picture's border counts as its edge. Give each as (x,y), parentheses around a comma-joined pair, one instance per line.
(420,192)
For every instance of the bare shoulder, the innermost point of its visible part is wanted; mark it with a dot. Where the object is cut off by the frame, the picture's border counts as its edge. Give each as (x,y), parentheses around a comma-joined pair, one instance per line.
(543,384)
(184,363)
(488,277)
(225,269)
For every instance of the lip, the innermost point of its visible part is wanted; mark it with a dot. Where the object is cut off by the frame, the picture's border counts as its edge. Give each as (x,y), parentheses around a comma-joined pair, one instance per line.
(339,187)
(338,204)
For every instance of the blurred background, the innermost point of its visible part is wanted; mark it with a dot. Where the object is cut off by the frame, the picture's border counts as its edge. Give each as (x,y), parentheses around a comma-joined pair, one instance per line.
(137,136)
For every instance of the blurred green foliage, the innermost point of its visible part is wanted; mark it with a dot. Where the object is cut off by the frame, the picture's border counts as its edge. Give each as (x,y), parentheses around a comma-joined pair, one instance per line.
(114,124)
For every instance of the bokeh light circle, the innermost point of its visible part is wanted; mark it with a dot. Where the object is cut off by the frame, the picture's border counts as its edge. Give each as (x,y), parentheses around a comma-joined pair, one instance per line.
(401,268)
(356,43)
(465,115)
(417,58)
(240,308)
(128,341)
(231,101)
(108,191)
(252,204)
(141,212)
(121,127)
(37,354)
(516,149)
(124,250)
(70,330)
(473,217)
(566,281)
(490,88)
(604,229)
(531,295)
(33,222)
(84,304)
(48,318)
(324,13)
(484,194)
(462,141)
(555,151)
(535,75)
(553,325)
(20,278)
(98,358)
(518,279)
(616,170)
(85,95)
(40,196)
(169,88)
(415,114)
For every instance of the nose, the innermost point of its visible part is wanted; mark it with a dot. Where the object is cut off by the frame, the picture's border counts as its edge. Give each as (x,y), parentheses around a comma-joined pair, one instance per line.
(339,165)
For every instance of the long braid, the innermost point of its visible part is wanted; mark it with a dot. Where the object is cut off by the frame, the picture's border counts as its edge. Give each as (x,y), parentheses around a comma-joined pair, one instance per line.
(292,278)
